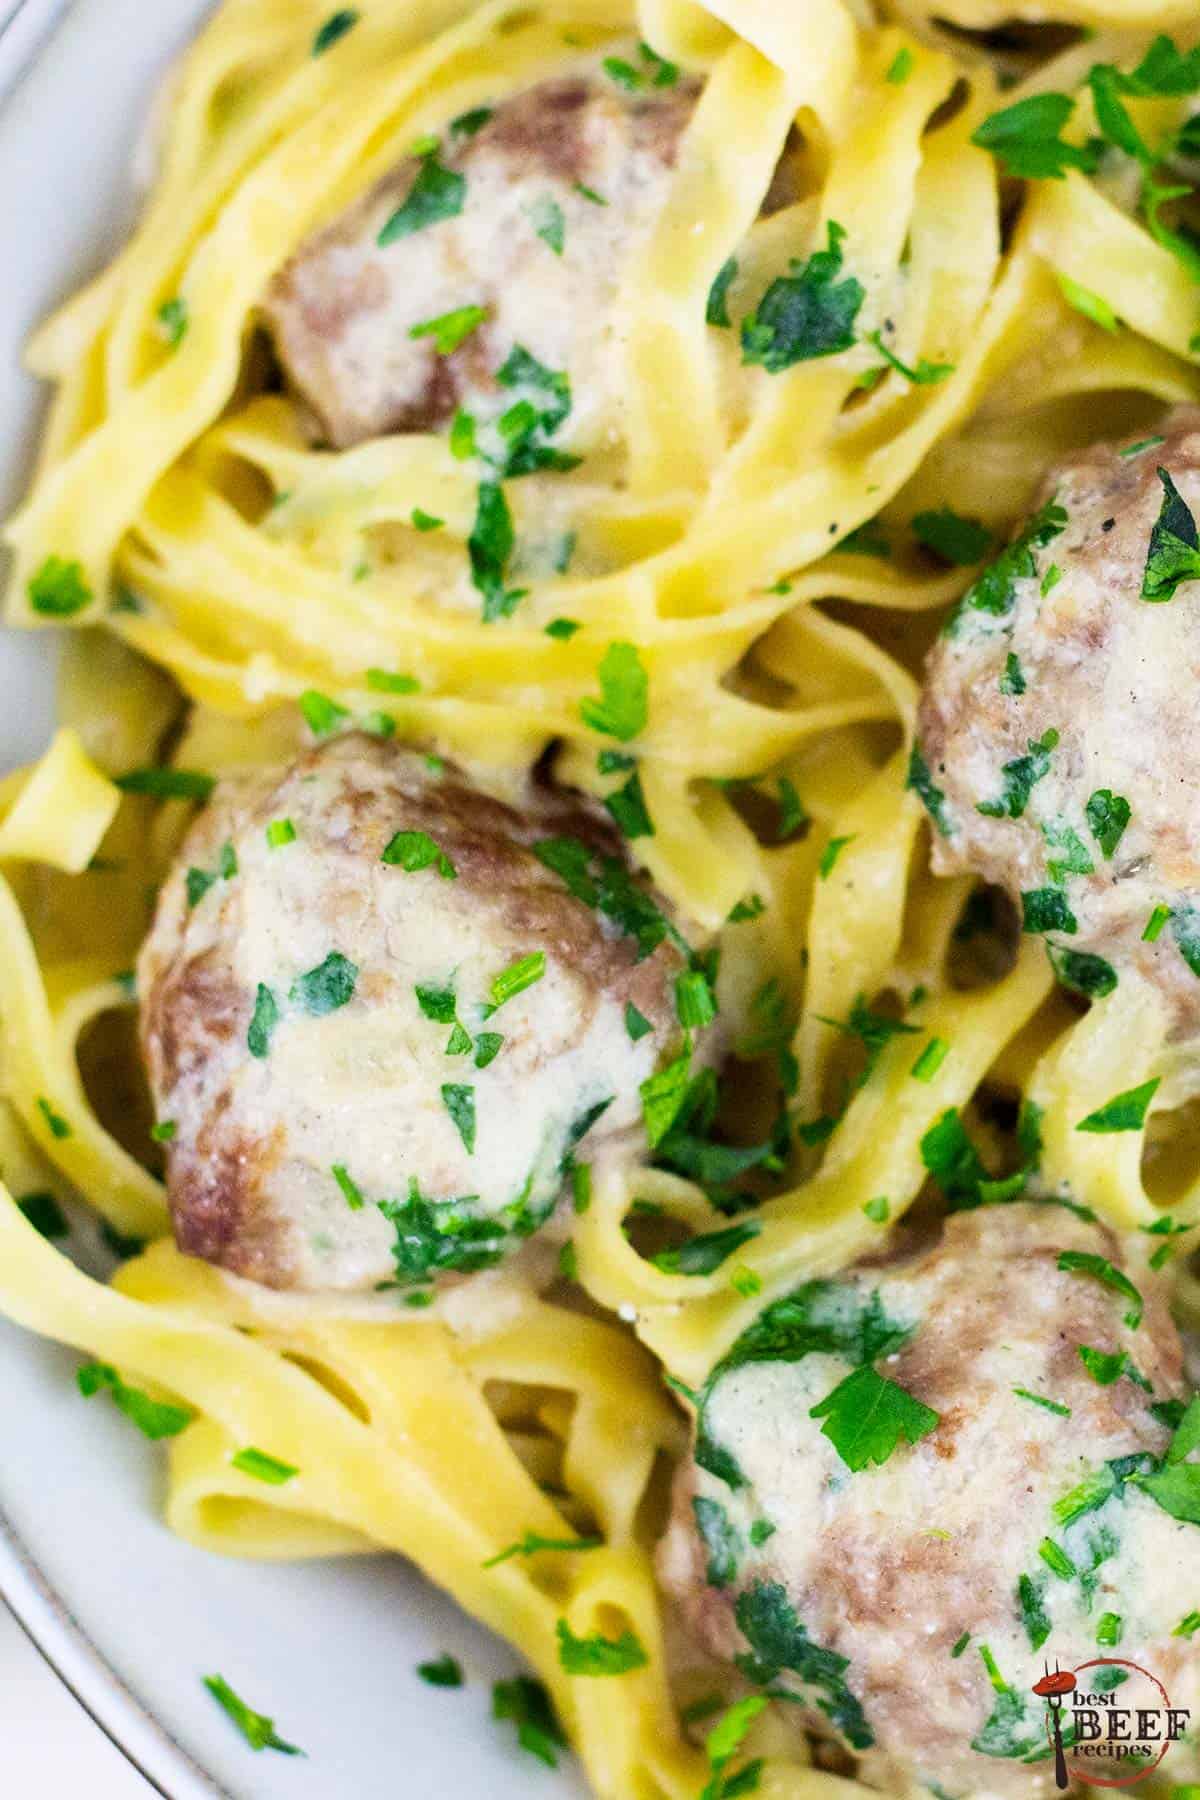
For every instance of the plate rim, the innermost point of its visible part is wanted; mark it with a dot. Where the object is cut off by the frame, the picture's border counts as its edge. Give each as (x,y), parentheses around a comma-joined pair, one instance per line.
(40,1610)
(83,1669)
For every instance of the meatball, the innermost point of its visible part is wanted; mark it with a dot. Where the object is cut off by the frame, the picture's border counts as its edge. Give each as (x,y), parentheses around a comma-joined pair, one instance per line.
(1056,748)
(908,1487)
(378,1025)
(504,243)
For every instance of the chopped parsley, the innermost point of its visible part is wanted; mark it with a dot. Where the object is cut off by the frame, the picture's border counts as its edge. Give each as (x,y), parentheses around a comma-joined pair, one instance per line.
(1107,815)
(432,1235)
(527,1703)
(926,374)
(321,714)
(720,1538)
(488,1045)
(1054,1406)
(604,882)
(628,810)
(416,850)
(563,628)
(279,833)
(263,1467)
(1020,777)
(1074,858)
(196,884)
(599,1655)
(994,592)
(546,216)
(830,854)
(623,706)
(384,681)
(1109,1630)
(636,1023)
(167,784)
(436,194)
(695,1002)
(1013,682)
(954,538)
(1155,923)
(778,1640)
(1082,972)
(1124,1112)
(172,318)
(878,1210)
(258,1731)
(1175,1484)
(1174,553)
(716,311)
(960,1644)
(1090,304)
(930,1060)
(874,1031)
(489,547)
(448,331)
(469,124)
(704,1254)
(336,26)
(533,1544)
(1025,138)
(443,1671)
(154,1418)
(459,1101)
(1101,1365)
(932,797)
(522,974)
(263,1021)
(900,67)
(866,1417)
(1086,1262)
(1046,909)
(1033,1613)
(351,1192)
(752,907)
(1056,1559)
(327,987)
(163,1132)
(58,590)
(805,314)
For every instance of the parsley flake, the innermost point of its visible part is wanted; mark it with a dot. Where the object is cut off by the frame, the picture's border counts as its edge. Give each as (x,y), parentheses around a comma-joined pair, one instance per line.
(1125,1112)
(1174,553)
(58,590)
(866,1417)
(154,1418)
(258,1731)
(335,27)
(436,194)
(805,314)
(599,1655)
(623,706)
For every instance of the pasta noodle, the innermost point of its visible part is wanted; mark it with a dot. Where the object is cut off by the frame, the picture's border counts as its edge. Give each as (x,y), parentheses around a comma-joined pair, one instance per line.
(211,541)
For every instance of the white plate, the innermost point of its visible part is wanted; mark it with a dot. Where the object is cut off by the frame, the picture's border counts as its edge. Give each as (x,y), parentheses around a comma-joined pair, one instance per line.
(130,1617)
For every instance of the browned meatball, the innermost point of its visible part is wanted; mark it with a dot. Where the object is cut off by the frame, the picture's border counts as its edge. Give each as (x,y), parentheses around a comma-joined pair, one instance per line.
(379,1024)
(913,1464)
(1056,748)
(527,214)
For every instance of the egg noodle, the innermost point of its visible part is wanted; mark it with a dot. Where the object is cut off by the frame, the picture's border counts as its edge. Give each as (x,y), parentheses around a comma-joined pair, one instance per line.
(214,544)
